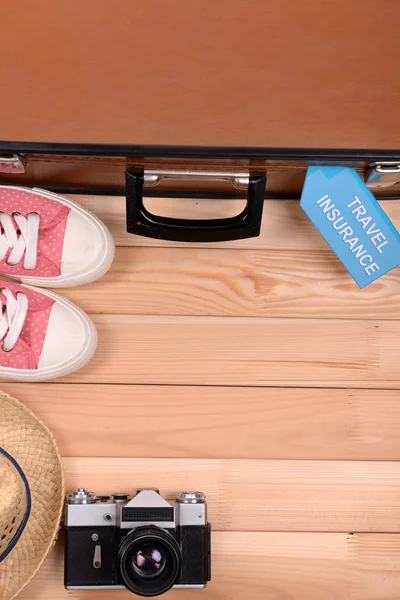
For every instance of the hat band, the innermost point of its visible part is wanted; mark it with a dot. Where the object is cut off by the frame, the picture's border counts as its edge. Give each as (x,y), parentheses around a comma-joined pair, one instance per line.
(24,521)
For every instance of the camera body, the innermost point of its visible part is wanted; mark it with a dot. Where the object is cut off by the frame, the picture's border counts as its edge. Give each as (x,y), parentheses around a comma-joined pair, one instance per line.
(145,544)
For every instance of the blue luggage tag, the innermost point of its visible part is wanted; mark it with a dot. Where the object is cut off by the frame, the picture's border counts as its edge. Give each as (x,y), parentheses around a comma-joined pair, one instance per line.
(351,220)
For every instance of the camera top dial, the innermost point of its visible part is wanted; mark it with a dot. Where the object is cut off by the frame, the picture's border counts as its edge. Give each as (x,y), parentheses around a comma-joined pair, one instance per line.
(82,496)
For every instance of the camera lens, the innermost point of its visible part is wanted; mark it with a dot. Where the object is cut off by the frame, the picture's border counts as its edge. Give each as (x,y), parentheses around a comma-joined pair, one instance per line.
(149,561)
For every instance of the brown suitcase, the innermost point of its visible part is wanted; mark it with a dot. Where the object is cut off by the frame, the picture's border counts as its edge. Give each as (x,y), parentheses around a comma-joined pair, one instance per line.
(204,99)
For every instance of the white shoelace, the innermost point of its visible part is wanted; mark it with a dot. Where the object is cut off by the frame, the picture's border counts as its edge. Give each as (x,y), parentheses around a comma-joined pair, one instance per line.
(13,318)
(26,242)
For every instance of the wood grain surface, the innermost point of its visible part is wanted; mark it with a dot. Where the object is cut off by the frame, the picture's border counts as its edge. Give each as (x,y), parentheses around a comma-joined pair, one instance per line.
(217,422)
(253,283)
(261,495)
(285,226)
(269,566)
(258,372)
(244,351)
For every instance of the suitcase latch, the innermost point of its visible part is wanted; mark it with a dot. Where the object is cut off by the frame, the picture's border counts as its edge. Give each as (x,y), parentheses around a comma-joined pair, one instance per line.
(12,164)
(383,174)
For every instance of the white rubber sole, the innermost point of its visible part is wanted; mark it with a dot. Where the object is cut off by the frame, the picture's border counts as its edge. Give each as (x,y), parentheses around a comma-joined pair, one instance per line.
(88,275)
(65,368)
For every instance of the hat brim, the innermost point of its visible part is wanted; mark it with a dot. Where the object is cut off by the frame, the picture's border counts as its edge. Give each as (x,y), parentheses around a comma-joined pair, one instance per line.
(30,442)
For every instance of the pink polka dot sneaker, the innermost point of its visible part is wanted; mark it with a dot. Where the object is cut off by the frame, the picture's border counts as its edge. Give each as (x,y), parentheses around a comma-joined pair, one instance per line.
(42,335)
(50,240)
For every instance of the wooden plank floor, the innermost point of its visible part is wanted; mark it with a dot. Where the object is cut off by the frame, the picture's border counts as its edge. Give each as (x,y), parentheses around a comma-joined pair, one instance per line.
(270,566)
(258,372)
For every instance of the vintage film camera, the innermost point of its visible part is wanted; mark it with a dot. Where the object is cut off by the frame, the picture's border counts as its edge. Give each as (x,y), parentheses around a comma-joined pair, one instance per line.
(147,544)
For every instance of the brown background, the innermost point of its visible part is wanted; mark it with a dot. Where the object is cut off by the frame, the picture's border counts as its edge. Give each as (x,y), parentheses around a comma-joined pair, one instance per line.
(203,72)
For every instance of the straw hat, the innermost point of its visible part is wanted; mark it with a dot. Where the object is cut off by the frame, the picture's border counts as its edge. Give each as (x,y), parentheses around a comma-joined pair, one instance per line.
(31,495)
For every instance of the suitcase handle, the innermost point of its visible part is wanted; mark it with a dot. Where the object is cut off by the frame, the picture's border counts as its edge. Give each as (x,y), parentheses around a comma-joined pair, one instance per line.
(244,225)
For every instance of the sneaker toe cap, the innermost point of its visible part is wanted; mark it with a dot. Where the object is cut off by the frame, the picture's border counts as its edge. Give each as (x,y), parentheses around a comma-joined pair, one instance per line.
(83,245)
(69,341)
